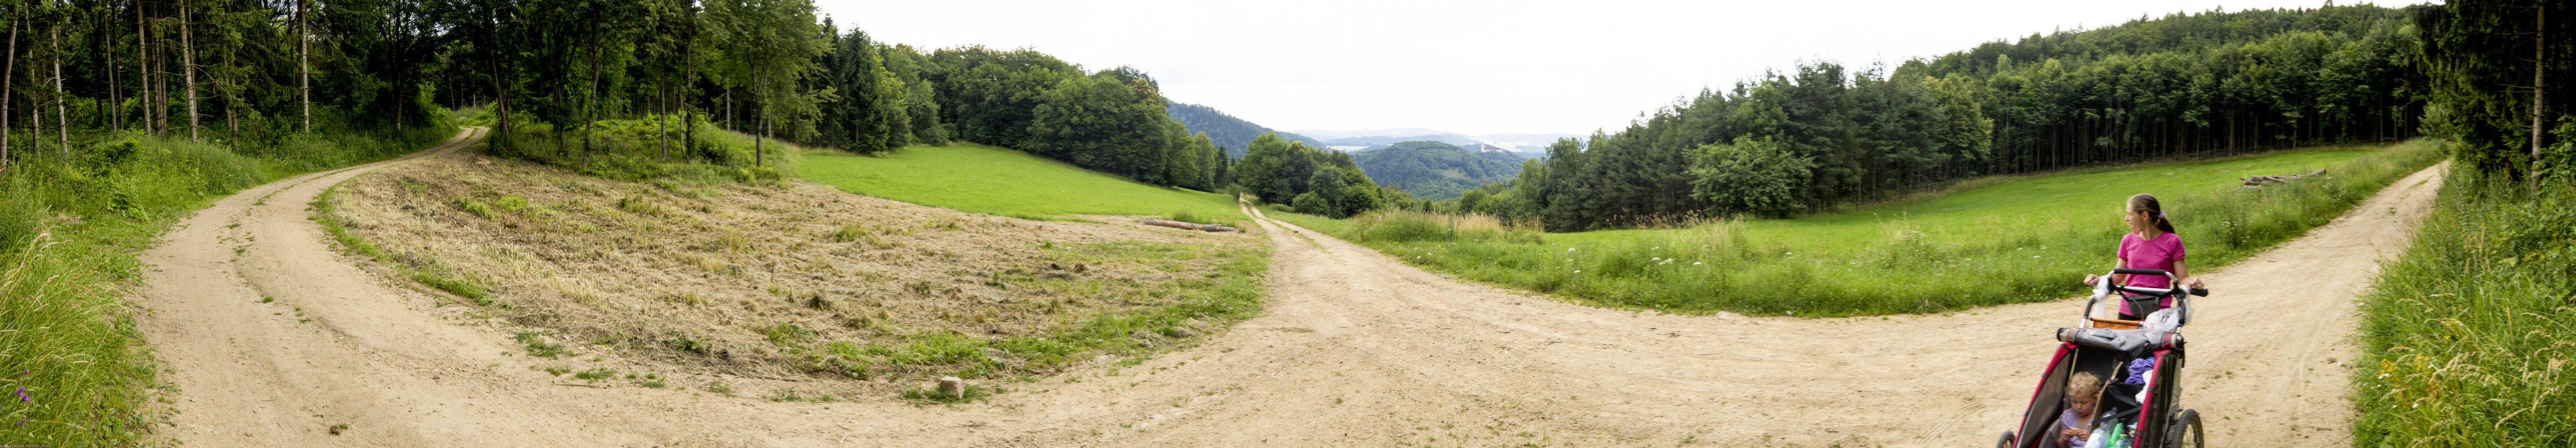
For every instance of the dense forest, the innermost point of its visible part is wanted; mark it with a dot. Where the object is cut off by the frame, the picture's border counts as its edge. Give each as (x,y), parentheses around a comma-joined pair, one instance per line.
(1230,133)
(1824,134)
(1435,170)
(565,81)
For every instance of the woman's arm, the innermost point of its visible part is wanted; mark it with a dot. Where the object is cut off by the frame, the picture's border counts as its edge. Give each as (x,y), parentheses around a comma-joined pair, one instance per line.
(2116,264)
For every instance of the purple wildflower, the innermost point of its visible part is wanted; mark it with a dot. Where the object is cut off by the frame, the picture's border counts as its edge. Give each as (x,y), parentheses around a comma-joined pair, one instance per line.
(22,395)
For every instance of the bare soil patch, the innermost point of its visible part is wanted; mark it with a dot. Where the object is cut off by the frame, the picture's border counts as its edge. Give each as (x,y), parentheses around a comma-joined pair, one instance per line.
(789,280)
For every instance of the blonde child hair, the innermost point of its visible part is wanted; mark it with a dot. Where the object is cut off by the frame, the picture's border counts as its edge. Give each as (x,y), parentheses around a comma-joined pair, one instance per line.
(2085,384)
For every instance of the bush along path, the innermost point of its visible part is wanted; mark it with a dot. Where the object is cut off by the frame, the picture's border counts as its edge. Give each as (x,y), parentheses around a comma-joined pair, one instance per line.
(273,340)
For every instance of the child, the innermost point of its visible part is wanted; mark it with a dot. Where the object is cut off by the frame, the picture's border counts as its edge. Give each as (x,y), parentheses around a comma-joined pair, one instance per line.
(2082,392)
(2150,244)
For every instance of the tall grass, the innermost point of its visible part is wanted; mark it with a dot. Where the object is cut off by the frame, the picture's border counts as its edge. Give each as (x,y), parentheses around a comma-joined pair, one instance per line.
(70,358)
(2012,241)
(2471,336)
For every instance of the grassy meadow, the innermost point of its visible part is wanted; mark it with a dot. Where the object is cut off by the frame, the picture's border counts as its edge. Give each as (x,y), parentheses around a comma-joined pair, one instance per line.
(2468,335)
(70,232)
(985,179)
(1988,241)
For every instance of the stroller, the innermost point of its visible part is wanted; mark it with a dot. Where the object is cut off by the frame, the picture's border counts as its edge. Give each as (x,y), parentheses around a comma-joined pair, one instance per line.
(2131,413)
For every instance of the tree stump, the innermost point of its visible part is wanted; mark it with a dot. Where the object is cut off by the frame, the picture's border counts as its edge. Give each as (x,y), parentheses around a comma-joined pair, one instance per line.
(953,387)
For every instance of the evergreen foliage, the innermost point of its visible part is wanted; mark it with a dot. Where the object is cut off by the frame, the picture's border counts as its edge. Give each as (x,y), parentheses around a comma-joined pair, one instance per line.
(2216,82)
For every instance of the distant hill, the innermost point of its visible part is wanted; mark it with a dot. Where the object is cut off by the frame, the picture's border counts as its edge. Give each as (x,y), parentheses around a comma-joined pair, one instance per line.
(1435,170)
(1375,141)
(1527,145)
(1226,130)
(1331,134)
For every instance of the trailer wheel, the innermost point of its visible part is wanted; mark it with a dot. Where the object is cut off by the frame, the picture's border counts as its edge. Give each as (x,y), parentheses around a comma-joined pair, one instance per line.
(2185,430)
(2006,441)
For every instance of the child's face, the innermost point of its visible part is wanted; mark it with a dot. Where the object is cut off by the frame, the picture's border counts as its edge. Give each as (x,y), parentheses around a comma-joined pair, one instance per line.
(2082,403)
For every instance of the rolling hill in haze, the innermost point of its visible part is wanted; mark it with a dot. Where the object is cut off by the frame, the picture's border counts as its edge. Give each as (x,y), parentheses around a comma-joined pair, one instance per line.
(1436,170)
(1225,130)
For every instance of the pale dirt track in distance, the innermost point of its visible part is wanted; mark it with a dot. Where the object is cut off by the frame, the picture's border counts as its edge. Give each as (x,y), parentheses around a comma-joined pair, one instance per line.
(1352,349)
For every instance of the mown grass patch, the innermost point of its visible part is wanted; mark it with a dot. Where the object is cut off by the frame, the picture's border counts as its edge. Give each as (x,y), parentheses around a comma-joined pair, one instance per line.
(2023,239)
(794,279)
(419,268)
(2470,338)
(70,233)
(984,179)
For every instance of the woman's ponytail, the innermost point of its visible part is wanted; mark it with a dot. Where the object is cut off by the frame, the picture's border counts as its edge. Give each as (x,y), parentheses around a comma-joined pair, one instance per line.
(2147,203)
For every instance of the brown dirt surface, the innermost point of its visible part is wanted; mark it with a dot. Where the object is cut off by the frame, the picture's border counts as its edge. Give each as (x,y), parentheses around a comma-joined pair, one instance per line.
(778,281)
(1352,349)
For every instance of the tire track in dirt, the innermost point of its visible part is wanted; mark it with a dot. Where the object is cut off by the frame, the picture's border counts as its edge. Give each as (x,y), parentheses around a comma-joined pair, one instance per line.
(1352,349)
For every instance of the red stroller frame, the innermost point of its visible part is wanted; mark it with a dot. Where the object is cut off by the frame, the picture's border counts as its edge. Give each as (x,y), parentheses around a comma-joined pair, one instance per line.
(2151,412)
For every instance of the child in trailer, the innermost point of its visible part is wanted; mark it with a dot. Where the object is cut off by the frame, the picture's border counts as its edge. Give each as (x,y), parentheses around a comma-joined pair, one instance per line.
(2150,244)
(2082,393)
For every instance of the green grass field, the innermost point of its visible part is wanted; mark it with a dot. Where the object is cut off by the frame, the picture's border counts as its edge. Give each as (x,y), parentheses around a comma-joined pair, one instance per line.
(1990,241)
(984,179)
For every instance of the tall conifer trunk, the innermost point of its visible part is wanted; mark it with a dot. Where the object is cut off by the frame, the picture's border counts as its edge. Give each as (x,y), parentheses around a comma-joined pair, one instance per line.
(2539,42)
(8,92)
(188,68)
(757,80)
(62,115)
(304,62)
(590,108)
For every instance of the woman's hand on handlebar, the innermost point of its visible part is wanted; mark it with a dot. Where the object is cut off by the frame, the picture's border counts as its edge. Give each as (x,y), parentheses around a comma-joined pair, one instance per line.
(2092,280)
(2194,283)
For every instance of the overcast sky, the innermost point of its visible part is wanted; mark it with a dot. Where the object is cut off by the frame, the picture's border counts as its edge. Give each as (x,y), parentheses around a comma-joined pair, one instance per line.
(1476,67)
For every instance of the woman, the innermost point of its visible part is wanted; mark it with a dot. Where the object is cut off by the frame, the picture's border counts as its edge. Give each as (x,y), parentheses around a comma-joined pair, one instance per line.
(2150,244)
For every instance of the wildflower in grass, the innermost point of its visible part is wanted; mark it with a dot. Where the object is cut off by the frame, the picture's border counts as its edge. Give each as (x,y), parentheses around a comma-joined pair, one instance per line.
(1578,271)
(1695,263)
(22,395)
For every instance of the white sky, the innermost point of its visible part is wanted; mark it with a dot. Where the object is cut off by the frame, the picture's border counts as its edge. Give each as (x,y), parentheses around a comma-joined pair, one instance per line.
(1475,67)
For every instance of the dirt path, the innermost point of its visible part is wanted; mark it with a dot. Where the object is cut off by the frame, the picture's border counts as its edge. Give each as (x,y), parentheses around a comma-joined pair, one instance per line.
(1354,349)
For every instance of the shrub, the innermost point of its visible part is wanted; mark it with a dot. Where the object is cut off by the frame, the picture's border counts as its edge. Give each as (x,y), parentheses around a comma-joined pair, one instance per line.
(1312,204)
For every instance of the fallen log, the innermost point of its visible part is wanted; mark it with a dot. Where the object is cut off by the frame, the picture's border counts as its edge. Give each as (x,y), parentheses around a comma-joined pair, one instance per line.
(2260,180)
(1190,226)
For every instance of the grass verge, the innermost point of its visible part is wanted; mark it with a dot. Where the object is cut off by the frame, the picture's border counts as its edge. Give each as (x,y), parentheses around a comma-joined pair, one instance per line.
(2020,239)
(2471,336)
(70,233)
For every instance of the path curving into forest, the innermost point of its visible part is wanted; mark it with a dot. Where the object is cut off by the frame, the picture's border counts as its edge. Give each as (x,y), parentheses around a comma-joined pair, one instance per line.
(1353,349)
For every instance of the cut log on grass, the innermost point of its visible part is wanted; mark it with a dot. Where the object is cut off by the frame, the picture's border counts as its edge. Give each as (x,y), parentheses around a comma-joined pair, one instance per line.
(2259,181)
(1190,226)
